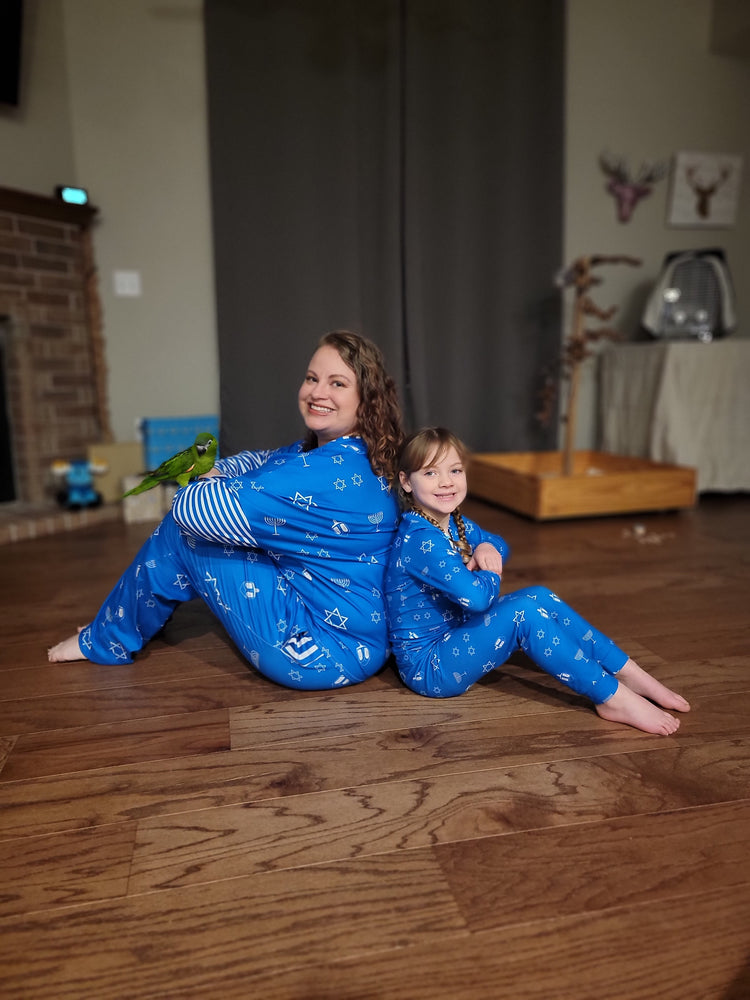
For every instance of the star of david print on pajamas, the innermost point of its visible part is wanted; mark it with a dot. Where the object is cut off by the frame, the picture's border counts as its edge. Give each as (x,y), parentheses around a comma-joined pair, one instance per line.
(449,626)
(287,548)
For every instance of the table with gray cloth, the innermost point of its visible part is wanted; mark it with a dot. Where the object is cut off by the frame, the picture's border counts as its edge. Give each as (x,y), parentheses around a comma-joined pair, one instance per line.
(682,402)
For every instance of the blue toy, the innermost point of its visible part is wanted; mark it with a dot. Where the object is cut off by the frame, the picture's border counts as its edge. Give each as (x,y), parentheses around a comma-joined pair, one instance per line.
(79,478)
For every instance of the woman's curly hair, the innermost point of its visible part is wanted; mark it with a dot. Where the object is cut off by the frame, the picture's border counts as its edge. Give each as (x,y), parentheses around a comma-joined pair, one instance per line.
(379,413)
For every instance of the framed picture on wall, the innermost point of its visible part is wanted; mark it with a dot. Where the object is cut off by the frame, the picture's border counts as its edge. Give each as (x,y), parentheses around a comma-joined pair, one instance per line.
(705,190)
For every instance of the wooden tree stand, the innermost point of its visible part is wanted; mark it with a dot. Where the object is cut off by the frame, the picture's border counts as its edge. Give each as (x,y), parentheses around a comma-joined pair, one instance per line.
(534,484)
(567,483)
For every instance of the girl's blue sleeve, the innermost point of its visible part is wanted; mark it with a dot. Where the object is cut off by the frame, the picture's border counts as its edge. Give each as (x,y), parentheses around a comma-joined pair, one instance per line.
(428,557)
(475,535)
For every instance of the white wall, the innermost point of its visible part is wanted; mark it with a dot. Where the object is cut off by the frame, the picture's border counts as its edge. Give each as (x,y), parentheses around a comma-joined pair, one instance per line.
(114,100)
(138,111)
(643,82)
(124,115)
(36,144)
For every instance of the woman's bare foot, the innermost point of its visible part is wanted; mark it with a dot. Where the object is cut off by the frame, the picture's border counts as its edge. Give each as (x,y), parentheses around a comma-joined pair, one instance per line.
(638,680)
(632,710)
(66,650)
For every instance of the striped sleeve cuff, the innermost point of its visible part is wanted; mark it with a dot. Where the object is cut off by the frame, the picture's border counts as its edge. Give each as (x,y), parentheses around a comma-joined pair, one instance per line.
(210,509)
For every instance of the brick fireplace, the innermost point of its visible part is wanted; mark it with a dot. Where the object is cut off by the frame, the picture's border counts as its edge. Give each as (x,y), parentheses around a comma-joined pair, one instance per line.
(50,339)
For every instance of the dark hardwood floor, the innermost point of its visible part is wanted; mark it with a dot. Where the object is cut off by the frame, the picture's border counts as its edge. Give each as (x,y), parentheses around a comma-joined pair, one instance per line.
(183,828)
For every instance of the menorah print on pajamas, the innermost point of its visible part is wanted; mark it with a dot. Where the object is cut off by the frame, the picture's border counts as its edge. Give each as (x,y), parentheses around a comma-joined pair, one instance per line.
(288,548)
(449,625)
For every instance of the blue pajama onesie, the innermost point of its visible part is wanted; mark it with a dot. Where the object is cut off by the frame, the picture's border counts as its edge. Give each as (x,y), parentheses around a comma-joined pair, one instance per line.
(288,548)
(449,625)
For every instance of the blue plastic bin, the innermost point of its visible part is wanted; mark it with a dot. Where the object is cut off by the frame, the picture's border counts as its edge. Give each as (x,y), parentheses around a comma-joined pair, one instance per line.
(164,436)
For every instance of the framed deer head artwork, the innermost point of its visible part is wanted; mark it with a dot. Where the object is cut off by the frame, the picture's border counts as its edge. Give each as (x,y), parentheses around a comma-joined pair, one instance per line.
(705,190)
(626,186)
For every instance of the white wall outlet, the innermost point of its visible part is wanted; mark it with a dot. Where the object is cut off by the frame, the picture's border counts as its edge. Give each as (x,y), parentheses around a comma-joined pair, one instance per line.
(127,283)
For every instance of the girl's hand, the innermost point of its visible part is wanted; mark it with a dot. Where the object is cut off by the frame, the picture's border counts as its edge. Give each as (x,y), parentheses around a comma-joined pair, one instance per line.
(487,557)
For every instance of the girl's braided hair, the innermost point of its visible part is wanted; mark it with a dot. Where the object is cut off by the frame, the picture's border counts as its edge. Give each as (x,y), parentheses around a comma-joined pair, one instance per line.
(424,447)
(378,414)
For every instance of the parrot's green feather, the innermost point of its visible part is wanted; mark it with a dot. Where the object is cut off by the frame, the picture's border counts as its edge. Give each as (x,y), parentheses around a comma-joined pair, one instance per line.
(194,461)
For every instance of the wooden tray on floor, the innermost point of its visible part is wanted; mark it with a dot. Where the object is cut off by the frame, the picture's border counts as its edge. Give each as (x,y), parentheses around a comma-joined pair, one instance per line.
(532,483)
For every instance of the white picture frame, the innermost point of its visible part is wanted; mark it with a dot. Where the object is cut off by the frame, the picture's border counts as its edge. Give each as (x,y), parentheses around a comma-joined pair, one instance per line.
(705,190)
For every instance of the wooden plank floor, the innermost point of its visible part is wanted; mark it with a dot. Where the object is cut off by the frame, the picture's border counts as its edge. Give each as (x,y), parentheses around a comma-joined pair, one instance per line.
(183,828)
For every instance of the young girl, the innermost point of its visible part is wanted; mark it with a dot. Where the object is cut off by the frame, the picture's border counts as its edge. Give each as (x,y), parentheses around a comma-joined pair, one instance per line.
(449,624)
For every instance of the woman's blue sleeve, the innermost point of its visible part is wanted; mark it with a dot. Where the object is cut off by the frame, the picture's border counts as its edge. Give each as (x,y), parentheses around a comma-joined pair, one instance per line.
(213,508)
(244,461)
(292,503)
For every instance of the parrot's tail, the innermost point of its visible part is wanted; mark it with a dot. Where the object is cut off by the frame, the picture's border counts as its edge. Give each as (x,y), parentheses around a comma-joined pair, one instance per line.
(146,484)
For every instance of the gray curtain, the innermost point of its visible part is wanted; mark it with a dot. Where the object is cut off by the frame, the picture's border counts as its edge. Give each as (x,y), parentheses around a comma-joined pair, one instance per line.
(393,167)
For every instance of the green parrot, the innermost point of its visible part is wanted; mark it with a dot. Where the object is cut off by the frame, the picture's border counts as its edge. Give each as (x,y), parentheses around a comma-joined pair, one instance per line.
(182,467)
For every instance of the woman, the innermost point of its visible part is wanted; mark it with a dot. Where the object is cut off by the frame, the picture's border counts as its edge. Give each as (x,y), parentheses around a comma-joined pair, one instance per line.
(450,625)
(288,548)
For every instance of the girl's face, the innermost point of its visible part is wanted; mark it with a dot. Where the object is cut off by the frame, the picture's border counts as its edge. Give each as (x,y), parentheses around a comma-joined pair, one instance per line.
(329,396)
(439,486)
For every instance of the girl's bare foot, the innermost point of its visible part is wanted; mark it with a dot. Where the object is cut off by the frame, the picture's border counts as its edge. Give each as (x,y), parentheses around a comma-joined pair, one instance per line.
(638,680)
(66,650)
(631,709)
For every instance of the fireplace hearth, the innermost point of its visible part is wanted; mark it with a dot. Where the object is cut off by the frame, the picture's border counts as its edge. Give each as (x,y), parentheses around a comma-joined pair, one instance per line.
(53,372)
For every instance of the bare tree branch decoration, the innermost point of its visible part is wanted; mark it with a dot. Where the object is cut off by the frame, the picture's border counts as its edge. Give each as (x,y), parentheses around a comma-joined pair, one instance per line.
(577,345)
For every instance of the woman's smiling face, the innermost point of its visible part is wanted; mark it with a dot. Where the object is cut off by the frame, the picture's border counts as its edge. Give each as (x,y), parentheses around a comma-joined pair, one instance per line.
(329,396)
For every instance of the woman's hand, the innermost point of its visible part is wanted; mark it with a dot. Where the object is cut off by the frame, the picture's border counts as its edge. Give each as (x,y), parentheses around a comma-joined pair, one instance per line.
(487,557)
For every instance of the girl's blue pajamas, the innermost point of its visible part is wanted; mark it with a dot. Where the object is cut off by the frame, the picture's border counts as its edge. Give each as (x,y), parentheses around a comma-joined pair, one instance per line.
(450,625)
(288,548)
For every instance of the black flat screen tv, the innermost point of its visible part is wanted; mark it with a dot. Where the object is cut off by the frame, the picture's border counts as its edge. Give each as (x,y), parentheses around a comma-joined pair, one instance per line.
(11,22)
